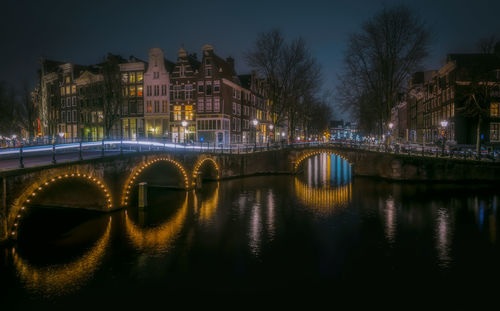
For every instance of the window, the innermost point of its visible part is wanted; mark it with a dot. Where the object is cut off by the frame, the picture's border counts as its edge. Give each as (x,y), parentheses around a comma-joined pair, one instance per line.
(124,77)
(238,109)
(209,88)
(132,90)
(140,77)
(177,113)
(149,107)
(207,61)
(216,104)
(189,112)
(125,108)
(157,90)
(62,102)
(139,90)
(217,86)
(62,91)
(494,112)
(149,90)
(189,91)
(157,106)
(208,105)
(140,107)
(201,106)
(164,89)
(74,101)
(164,105)
(132,77)
(63,116)
(494,132)
(73,89)
(156,75)
(68,116)
(68,79)
(74,115)
(200,87)
(68,91)
(234,108)
(208,72)
(68,102)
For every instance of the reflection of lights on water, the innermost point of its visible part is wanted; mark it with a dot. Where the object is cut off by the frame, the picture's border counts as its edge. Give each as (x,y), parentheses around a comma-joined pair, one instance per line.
(390,220)
(270,214)
(61,279)
(255,229)
(158,239)
(323,200)
(209,205)
(443,237)
(328,183)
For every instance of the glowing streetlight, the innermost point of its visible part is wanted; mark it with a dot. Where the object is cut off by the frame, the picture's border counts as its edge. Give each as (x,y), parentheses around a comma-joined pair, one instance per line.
(184,124)
(271,127)
(391,125)
(444,123)
(255,123)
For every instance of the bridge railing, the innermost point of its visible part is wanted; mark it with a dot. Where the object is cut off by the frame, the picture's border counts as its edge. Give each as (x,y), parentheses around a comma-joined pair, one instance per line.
(67,152)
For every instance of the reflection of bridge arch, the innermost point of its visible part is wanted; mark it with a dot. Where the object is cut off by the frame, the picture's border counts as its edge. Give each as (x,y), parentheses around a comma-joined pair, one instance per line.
(59,279)
(37,188)
(159,238)
(199,164)
(208,206)
(323,200)
(308,154)
(135,174)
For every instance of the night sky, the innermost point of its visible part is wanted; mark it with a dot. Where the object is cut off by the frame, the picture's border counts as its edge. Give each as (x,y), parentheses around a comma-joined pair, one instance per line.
(84,32)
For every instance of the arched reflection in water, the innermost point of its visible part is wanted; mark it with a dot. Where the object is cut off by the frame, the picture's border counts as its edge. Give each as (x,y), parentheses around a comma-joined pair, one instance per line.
(327,185)
(62,279)
(206,206)
(158,239)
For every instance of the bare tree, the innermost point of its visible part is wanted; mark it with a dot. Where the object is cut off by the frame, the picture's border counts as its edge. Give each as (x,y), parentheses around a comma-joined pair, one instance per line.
(378,62)
(292,75)
(486,45)
(480,80)
(27,112)
(112,89)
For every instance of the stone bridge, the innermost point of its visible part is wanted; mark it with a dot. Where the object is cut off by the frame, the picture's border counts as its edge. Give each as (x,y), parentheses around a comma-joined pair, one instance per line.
(107,184)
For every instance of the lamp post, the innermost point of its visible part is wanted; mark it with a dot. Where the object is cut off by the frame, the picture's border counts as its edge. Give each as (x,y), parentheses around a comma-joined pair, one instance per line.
(391,125)
(255,123)
(184,125)
(444,124)
(61,135)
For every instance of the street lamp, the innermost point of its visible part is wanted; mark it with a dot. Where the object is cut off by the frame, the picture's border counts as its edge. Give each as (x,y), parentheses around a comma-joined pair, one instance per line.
(61,134)
(184,124)
(444,124)
(255,123)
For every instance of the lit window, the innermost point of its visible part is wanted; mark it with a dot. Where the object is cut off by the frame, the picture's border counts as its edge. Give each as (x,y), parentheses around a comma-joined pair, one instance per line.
(132,90)
(216,86)
(139,90)
(208,104)
(494,132)
(216,104)
(494,110)
(132,77)
(139,77)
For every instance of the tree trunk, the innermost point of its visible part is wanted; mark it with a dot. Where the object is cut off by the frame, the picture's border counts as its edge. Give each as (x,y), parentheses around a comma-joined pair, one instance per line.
(478,136)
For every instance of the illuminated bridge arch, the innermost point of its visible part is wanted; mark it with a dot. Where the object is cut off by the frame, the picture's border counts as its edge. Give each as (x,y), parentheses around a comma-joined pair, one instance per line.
(62,278)
(19,206)
(159,238)
(198,165)
(311,153)
(137,172)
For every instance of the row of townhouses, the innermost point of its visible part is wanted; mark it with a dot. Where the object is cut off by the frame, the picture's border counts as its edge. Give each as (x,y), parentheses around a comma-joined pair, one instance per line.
(435,109)
(182,101)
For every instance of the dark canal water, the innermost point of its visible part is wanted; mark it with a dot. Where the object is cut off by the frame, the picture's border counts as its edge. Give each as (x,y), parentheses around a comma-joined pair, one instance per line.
(312,233)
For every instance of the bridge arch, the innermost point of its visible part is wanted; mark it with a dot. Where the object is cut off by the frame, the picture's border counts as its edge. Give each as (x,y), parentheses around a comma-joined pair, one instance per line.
(140,168)
(199,165)
(61,278)
(37,188)
(159,238)
(309,153)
